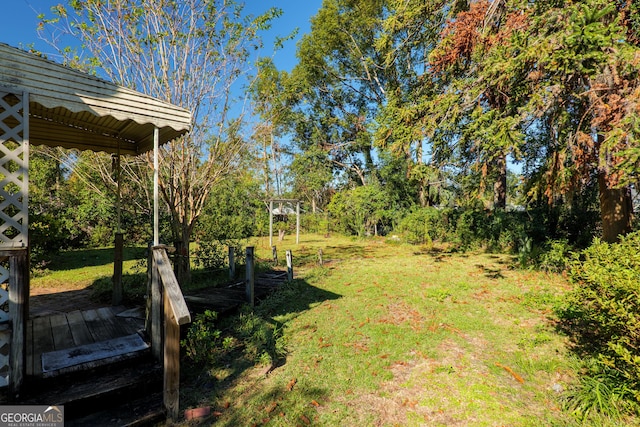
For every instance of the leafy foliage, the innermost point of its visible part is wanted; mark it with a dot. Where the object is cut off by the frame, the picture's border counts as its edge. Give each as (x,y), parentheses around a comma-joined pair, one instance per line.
(602,313)
(361,211)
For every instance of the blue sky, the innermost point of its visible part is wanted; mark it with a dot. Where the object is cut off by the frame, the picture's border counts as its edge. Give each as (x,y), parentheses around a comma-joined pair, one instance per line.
(19,23)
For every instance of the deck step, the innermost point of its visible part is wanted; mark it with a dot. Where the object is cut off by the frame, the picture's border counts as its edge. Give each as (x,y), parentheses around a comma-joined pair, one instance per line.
(125,395)
(92,355)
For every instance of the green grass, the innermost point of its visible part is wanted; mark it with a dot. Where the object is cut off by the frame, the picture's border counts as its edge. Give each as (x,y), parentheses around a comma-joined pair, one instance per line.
(382,334)
(388,334)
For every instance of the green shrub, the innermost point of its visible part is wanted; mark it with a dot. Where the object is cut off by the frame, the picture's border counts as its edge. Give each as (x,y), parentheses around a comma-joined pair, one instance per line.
(557,256)
(423,225)
(214,254)
(203,341)
(602,313)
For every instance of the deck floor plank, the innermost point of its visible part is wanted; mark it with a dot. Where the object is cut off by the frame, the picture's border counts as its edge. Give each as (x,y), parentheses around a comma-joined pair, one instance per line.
(61,331)
(110,324)
(96,325)
(42,341)
(79,330)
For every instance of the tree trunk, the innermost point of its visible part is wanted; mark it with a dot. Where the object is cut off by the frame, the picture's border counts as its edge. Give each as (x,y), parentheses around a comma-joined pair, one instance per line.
(500,186)
(181,266)
(616,210)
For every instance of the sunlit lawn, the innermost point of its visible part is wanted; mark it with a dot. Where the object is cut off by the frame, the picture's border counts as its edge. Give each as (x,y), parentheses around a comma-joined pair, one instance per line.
(385,334)
(389,334)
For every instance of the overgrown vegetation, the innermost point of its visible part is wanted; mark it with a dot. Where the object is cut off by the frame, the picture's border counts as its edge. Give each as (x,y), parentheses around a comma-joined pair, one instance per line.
(601,315)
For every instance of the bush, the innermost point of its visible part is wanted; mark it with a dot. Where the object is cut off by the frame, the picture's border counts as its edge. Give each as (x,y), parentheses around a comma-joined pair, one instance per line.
(602,313)
(203,342)
(424,225)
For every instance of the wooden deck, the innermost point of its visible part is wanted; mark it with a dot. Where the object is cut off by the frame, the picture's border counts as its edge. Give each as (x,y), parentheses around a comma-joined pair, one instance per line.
(66,342)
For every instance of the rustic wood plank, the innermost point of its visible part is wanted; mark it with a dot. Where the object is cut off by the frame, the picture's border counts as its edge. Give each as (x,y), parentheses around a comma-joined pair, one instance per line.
(62,337)
(60,359)
(99,331)
(132,320)
(110,324)
(42,341)
(79,330)
(171,287)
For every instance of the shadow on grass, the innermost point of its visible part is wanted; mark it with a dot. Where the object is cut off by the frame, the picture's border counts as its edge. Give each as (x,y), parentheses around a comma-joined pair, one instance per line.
(259,338)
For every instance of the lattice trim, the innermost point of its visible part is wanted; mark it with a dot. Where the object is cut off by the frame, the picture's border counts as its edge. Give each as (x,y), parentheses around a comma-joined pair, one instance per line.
(14,166)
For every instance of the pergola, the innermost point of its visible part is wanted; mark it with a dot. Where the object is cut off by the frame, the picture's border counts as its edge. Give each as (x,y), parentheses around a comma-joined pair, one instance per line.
(45,103)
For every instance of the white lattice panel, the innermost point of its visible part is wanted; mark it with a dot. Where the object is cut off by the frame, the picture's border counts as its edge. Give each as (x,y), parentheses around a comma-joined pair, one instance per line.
(14,195)
(14,166)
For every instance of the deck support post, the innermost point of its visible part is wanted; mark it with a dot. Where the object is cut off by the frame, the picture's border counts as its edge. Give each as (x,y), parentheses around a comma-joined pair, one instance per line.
(250,277)
(171,382)
(232,262)
(118,258)
(289,265)
(19,312)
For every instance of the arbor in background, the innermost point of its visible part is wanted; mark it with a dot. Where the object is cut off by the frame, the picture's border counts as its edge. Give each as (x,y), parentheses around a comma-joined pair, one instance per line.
(189,53)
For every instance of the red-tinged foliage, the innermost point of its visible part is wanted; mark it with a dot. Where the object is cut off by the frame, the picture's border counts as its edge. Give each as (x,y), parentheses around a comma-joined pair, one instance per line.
(460,37)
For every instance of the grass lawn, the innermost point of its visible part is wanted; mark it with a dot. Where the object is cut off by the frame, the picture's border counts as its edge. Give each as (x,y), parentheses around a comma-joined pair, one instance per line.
(390,334)
(382,334)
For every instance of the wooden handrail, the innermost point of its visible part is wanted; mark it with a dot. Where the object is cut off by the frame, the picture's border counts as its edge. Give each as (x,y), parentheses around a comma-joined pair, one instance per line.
(171,287)
(168,311)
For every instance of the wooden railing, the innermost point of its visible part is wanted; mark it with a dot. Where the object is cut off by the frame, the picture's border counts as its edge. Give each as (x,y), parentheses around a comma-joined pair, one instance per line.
(168,312)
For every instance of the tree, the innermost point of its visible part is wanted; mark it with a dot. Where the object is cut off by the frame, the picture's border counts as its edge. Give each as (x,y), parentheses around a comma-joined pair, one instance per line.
(553,83)
(189,53)
(340,85)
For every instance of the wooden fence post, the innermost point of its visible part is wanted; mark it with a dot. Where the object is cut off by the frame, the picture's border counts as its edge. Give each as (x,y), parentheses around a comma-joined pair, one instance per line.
(118,291)
(320,260)
(171,380)
(232,262)
(289,265)
(250,276)
(19,313)
(157,305)
(274,251)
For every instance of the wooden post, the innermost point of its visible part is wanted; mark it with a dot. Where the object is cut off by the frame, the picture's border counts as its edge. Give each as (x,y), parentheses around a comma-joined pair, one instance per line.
(320,261)
(117,269)
(171,394)
(156,309)
(250,276)
(297,222)
(19,313)
(289,265)
(271,223)
(274,251)
(232,262)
